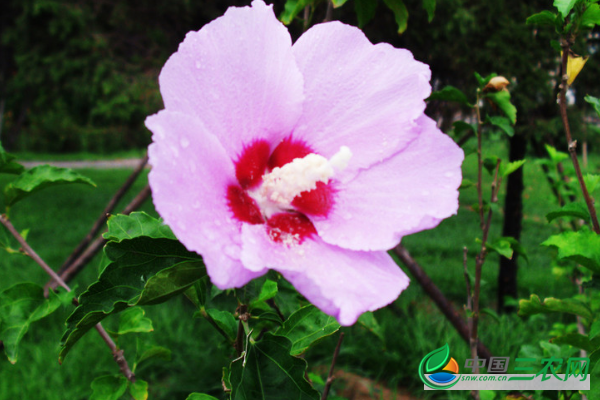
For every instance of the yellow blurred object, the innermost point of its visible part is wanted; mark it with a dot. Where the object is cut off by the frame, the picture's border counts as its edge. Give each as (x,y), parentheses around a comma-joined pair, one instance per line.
(496,84)
(574,65)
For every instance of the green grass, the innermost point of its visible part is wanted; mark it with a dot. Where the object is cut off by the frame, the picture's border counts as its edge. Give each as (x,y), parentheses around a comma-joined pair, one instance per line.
(79,156)
(59,217)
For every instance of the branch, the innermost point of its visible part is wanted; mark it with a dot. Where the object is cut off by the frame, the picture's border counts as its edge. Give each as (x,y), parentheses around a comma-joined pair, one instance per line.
(104,215)
(330,377)
(117,354)
(438,298)
(572,144)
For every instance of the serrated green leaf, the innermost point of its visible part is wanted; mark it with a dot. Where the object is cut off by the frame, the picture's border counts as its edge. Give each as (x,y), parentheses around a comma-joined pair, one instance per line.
(400,13)
(551,305)
(39,178)
(582,247)
(268,291)
(134,320)
(291,9)
(541,19)
(511,167)
(121,227)
(268,371)
(591,182)
(142,271)
(429,6)
(139,389)
(338,3)
(306,326)
(7,163)
(590,17)
(502,100)
(501,247)
(225,320)
(503,123)
(450,93)
(595,102)
(555,155)
(20,306)
(108,387)
(576,210)
(200,396)
(577,340)
(564,6)
(365,11)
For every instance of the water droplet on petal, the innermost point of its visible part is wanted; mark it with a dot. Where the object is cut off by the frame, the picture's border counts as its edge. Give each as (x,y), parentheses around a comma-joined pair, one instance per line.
(198,64)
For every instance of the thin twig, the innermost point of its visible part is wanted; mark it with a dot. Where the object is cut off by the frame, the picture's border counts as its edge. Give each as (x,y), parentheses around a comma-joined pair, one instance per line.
(104,215)
(479,160)
(99,242)
(117,354)
(329,12)
(572,144)
(438,298)
(330,377)
(306,20)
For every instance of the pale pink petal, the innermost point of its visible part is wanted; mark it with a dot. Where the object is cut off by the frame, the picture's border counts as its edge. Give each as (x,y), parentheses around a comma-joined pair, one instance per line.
(342,283)
(409,192)
(189,176)
(360,95)
(238,76)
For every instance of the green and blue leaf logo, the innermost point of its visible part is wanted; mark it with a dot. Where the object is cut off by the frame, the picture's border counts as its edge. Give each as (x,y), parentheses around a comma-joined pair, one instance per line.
(442,368)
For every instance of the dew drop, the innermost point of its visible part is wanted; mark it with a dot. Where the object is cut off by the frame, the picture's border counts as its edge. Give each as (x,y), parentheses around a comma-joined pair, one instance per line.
(198,64)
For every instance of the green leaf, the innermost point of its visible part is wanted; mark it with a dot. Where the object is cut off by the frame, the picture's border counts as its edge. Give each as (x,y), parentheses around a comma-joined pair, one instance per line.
(564,6)
(225,320)
(590,17)
(591,182)
(484,81)
(502,123)
(200,396)
(20,306)
(582,246)
(268,371)
(142,271)
(487,395)
(466,183)
(577,340)
(133,320)
(121,227)
(544,18)
(39,178)
(108,387)
(502,100)
(429,6)
(338,3)
(555,155)
(501,247)
(292,8)
(400,13)
(551,305)
(462,128)
(154,352)
(577,210)
(365,11)
(306,326)
(268,291)
(595,102)
(7,165)
(489,163)
(511,167)
(450,93)
(595,329)
(139,389)
(369,321)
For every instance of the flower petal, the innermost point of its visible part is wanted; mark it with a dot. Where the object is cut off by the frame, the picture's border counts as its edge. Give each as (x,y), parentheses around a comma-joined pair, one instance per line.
(360,95)
(342,283)
(238,76)
(409,192)
(189,179)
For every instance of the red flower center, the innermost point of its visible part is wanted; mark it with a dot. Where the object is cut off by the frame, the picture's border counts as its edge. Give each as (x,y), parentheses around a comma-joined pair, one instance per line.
(287,226)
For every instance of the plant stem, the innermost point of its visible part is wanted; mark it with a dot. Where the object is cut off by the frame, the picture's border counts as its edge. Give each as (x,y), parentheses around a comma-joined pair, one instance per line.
(479,161)
(330,377)
(117,354)
(572,144)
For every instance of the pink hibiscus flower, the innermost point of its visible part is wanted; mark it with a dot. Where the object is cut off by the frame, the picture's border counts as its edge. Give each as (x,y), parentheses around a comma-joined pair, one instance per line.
(311,159)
